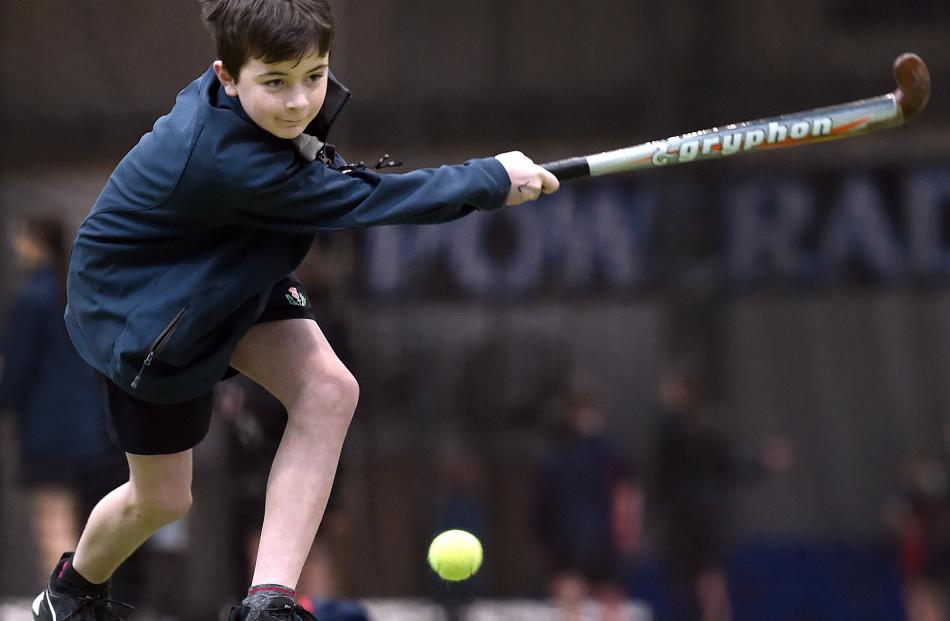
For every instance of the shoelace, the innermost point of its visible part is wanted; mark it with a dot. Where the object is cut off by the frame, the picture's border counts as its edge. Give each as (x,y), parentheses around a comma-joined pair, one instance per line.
(98,602)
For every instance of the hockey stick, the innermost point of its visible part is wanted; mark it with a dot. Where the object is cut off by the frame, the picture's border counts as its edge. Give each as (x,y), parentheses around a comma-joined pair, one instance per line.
(788,130)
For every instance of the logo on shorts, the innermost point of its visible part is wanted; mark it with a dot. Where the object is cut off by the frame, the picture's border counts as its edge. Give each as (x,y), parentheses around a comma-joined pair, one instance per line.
(295,297)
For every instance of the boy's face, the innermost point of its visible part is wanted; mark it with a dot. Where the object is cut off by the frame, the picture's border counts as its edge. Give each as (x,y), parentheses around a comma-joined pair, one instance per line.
(283,97)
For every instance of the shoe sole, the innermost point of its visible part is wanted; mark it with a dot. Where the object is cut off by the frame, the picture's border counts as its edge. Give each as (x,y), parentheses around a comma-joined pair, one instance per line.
(36,605)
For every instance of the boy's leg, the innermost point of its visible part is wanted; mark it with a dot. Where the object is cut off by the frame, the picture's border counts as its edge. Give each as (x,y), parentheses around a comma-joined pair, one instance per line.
(158,492)
(294,362)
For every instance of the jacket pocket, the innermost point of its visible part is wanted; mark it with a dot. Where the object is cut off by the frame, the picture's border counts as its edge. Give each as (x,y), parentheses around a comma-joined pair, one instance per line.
(159,344)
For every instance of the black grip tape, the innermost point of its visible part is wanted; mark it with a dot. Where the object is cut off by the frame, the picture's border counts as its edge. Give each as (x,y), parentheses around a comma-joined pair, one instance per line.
(571,168)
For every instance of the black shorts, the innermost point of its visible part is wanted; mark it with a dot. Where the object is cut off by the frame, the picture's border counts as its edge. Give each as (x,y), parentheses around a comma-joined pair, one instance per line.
(143,428)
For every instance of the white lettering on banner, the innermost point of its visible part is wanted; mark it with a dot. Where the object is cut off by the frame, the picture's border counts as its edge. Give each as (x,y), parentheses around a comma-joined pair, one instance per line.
(620,245)
(766,226)
(571,241)
(602,236)
(770,225)
(858,230)
(396,256)
(479,272)
(927,196)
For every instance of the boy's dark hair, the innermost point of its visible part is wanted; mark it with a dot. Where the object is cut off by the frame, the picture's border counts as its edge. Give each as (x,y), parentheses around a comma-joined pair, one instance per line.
(271,30)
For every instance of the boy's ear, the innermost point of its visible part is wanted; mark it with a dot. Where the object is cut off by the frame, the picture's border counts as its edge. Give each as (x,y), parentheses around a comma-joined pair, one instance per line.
(225,78)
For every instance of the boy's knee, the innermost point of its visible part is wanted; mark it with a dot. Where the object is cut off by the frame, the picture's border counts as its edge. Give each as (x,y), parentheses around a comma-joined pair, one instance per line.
(162,509)
(336,390)
(339,385)
(350,389)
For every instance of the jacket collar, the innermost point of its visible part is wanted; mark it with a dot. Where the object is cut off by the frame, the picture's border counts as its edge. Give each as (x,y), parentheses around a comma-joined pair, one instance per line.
(337,96)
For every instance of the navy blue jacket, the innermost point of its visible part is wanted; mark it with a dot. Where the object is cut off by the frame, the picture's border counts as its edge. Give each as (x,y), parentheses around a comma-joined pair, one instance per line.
(204,215)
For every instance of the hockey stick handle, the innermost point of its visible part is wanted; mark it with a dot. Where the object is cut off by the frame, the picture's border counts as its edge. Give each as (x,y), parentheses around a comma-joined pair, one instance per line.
(571,168)
(788,130)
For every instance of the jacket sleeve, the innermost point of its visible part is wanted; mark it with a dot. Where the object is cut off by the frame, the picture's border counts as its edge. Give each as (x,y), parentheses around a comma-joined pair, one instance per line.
(278,191)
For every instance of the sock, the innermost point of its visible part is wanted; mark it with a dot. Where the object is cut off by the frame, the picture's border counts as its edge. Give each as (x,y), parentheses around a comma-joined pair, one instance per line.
(259,595)
(67,580)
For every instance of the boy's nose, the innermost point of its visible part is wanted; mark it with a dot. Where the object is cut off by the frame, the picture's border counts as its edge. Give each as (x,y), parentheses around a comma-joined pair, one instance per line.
(297,99)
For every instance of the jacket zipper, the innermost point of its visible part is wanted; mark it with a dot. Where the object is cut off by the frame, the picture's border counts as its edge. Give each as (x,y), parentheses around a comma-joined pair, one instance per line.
(158,345)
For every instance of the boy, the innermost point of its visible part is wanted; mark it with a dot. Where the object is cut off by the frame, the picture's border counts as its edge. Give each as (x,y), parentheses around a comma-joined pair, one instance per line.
(172,283)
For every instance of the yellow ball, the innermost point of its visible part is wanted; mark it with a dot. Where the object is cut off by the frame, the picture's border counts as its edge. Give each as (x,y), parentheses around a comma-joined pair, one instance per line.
(455,555)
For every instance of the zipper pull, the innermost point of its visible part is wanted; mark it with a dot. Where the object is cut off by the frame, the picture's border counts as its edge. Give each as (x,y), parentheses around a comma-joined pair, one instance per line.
(386,162)
(145,365)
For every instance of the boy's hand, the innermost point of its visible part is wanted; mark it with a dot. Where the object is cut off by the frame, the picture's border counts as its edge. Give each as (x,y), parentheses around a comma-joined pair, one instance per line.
(528,180)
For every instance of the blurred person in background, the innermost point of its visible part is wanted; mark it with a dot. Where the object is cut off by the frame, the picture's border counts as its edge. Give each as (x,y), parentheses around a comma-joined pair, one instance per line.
(919,516)
(589,511)
(66,459)
(695,470)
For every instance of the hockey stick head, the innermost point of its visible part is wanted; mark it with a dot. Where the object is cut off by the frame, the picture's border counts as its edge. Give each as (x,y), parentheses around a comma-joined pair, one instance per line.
(913,83)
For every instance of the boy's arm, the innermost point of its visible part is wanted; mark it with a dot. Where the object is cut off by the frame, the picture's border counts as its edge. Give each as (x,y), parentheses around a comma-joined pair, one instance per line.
(278,192)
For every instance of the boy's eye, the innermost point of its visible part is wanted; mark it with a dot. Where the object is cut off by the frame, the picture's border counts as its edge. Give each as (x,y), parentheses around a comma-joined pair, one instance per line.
(315,77)
(274,83)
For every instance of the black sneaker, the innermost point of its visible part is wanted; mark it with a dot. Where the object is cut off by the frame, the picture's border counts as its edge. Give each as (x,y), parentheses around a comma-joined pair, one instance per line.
(51,605)
(278,609)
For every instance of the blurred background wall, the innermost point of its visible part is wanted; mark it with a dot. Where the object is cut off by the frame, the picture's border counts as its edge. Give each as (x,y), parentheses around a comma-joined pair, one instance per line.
(809,287)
